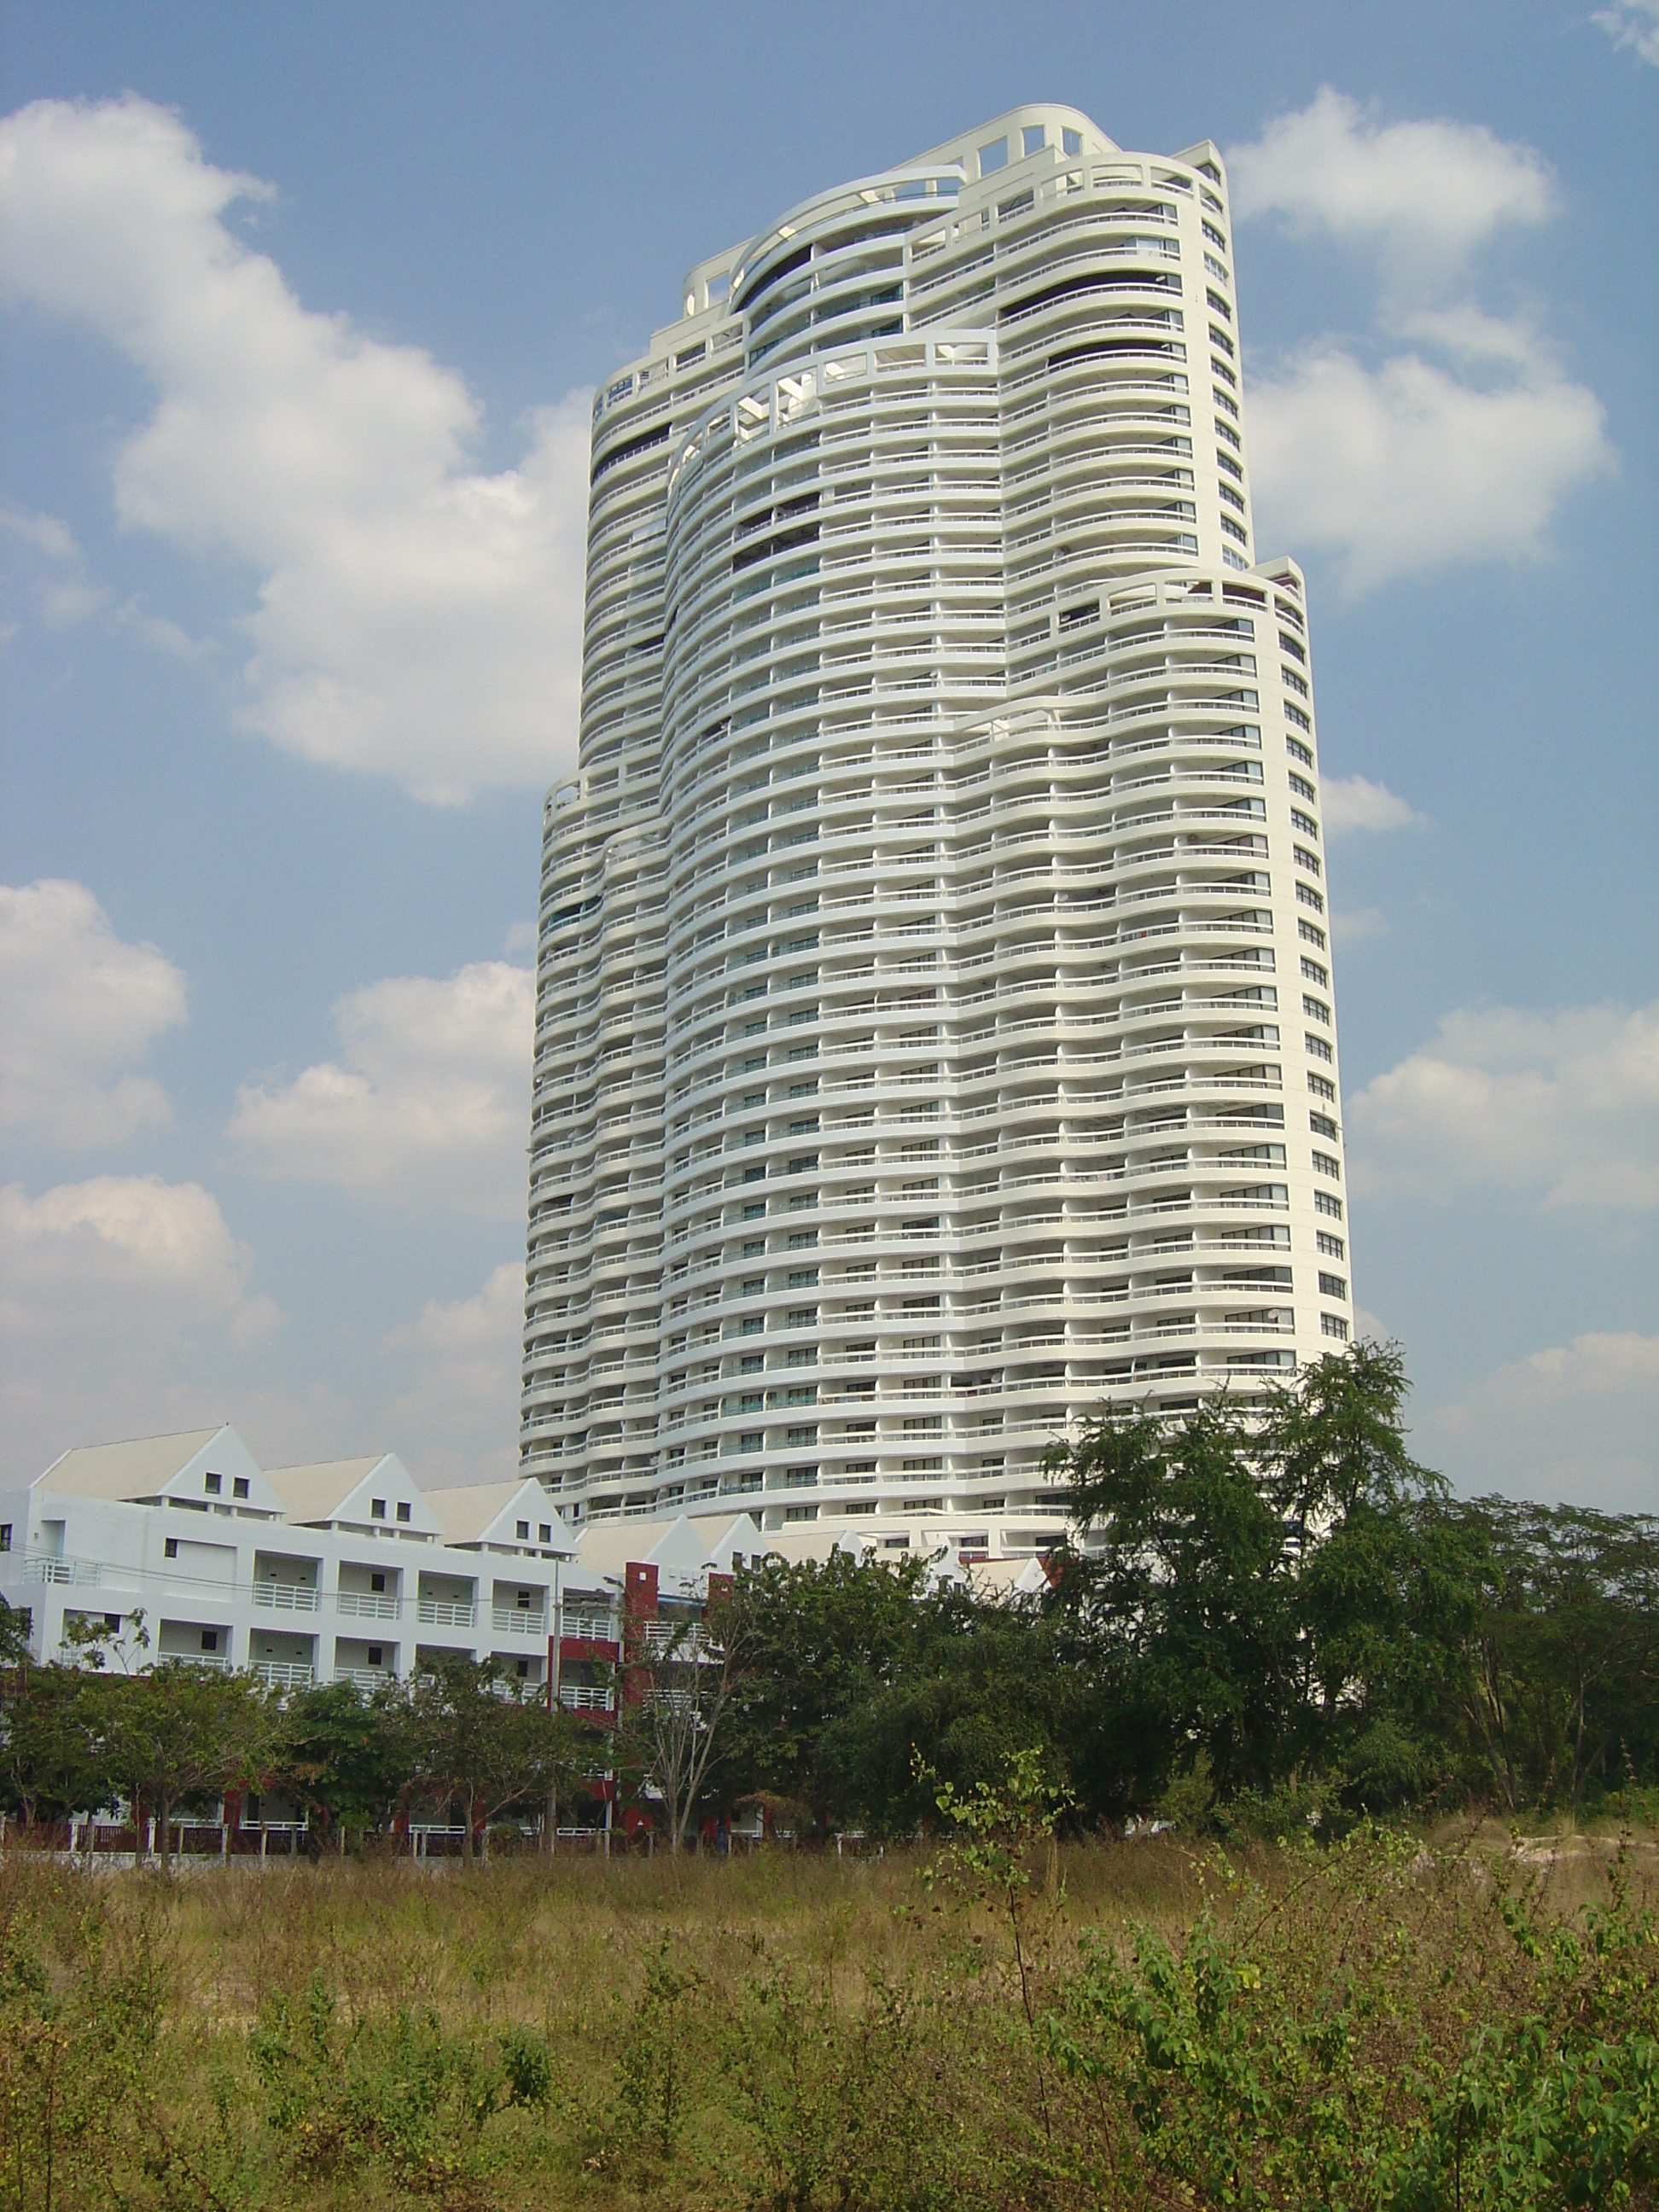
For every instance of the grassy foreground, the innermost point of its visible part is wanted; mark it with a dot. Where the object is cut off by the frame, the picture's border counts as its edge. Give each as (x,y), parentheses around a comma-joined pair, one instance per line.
(1381,2023)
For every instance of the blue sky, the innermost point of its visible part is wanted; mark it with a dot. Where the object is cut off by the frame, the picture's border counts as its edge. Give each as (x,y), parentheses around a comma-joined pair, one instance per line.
(301,308)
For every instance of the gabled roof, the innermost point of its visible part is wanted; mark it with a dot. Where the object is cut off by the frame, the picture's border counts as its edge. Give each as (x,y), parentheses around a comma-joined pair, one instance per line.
(489,1512)
(150,1468)
(679,1549)
(344,1489)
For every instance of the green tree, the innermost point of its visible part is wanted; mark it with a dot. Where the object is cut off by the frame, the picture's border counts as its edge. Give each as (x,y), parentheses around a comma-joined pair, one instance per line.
(176,1733)
(342,1755)
(469,1733)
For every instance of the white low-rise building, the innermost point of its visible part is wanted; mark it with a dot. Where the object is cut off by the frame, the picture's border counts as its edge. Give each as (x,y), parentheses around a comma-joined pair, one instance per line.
(344,1571)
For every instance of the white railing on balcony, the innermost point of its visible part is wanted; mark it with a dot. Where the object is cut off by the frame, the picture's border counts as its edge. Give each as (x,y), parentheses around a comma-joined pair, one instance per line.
(366,1605)
(365,1678)
(283,1674)
(445,1612)
(589,1627)
(42,1567)
(584,1698)
(287,1597)
(512,1620)
(205,1662)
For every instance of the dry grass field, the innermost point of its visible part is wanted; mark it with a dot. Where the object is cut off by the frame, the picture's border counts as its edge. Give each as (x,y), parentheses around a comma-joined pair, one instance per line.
(1389,2021)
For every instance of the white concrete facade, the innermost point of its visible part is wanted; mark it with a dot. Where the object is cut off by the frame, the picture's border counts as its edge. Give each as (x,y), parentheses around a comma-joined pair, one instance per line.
(935,1028)
(344,1571)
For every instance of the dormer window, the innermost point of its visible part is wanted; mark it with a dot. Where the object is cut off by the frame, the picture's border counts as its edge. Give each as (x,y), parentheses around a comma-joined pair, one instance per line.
(213,1484)
(239,1486)
(377,1508)
(405,1513)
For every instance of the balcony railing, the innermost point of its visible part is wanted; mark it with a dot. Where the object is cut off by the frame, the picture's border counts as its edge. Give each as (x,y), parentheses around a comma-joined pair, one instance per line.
(365,1678)
(366,1605)
(584,1698)
(287,1597)
(42,1567)
(445,1612)
(283,1674)
(512,1620)
(590,1627)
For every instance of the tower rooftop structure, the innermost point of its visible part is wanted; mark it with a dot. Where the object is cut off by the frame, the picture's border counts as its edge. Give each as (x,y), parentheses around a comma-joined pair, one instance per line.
(935,1036)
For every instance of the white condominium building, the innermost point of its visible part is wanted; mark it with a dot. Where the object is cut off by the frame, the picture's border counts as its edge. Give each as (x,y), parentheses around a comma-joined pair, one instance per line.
(935,1034)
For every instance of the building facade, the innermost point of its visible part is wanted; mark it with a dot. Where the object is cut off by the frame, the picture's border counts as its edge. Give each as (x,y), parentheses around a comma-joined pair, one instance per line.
(935,1032)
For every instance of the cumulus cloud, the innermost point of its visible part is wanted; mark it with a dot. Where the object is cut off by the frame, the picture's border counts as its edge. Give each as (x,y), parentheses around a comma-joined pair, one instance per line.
(1563,1106)
(1424,194)
(426,1106)
(459,1408)
(1354,802)
(115,1295)
(1447,433)
(79,1009)
(1635,24)
(1578,1424)
(414,618)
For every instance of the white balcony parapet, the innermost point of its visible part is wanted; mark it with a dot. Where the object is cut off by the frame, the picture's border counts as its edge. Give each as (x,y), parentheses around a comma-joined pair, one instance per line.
(510,1620)
(287,1597)
(366,1605)
(283,1674)
(445,1612)
(585,1698)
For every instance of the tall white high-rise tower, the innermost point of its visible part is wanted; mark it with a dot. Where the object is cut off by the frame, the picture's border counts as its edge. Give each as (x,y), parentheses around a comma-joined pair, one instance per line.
(935,1034)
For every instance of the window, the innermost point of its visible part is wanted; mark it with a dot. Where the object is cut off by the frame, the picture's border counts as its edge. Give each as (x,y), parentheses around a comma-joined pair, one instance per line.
(1306,859)
(1313,973)
(1322,1126)
(523,1530)
(1303,789)
(547,1531)
(1316,1009)
(1295,715)
(1033,138)
(239,1486)
(1333,1325)
(524,1600)
(5,1539)
(1304,823)
(405,1514)
(1326,1165)
(1071,141)
(1320,1088)
(1309,934)
(170,1549)
(1324,1203)
(524,1670)
(377,1508)
(1308,896)
(212,1484)
(1332,1286)
(994,156)
(209,1639)
(1297,750)
(377,1585)
(376,1654)
(1332,1248)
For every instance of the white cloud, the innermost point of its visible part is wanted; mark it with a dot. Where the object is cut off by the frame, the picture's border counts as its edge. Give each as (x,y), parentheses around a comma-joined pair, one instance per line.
(1578,1424)
(1633,23)
(78,1008)
(458,1414)
(1354,802)
(1565,1106)
(1461,447)
(1404,467)
(415,619)
(117,1294)
(1425,194)
(1356,928)
(427,1106)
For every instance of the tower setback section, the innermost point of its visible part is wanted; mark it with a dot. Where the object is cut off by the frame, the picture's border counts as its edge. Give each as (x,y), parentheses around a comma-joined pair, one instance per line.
(935,1033)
